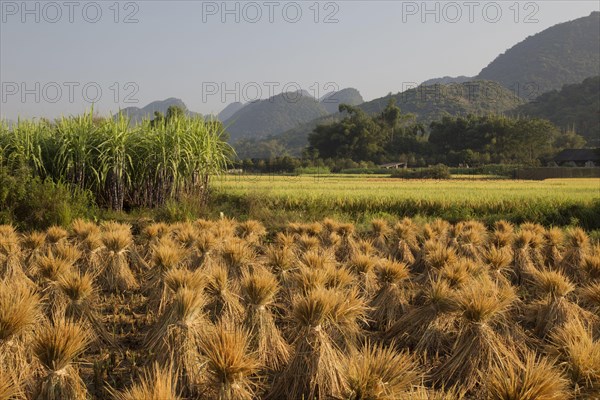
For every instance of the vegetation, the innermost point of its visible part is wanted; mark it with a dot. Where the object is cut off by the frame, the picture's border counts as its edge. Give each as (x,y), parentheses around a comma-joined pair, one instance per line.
(120,165)
(277,199)
(574,107)
(393,310)
(562,54)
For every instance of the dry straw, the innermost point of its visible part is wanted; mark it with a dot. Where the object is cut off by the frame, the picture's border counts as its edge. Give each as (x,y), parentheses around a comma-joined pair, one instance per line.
(259,291)
(56,347)
(157,383)
(230,364)
(174,339)
(378,372)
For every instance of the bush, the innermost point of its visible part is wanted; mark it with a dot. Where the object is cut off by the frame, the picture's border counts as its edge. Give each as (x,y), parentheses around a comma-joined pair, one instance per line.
(439,171)
(365,171)
(491,169)
(32,203)
(312,171)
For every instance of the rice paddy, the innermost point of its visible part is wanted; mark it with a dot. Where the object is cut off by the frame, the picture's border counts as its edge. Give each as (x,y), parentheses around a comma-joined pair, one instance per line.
(550,202)
(225,309)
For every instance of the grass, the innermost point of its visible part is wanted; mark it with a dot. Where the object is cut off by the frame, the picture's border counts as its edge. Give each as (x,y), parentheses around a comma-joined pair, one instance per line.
(551,202)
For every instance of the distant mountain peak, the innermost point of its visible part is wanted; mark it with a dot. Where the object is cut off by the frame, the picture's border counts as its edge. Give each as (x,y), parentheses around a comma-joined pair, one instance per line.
(565,53)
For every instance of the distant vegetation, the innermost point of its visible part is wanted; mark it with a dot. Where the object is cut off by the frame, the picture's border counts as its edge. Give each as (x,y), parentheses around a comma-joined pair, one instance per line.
(473,140)
(575,107)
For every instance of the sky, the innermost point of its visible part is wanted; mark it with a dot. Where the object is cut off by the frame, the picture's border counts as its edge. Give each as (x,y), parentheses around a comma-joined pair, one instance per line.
(62,57)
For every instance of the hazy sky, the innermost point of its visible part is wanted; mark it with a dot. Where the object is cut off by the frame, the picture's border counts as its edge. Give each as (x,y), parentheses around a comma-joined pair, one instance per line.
(58,57)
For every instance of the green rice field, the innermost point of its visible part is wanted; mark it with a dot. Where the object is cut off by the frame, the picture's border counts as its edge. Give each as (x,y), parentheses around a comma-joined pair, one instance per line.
(549,202)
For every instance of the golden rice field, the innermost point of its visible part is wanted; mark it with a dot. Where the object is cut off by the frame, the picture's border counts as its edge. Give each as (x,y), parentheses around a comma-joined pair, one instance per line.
(550,202)
(340,187)
(230,310)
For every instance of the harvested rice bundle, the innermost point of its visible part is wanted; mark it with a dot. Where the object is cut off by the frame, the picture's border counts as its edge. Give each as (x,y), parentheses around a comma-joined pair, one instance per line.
(252,231)
(174,339)
(523,266)
(78,303)
(377,372)
(54,235)
(185,236)
(380,234)
(238,256)
(10,255)
(497,260)
(155,384)
(536,243)
(206,245)
(553,247)
(363,267)
(284,240)
(152,233)
(222,292)
(317,259)
(459,273)
(9,386)
(259,291)
(282,261)
(589,296)
(552,308)
(67,252)
(431,324)
(405,241)
(304,280)
(19,314)
(579,353)
(230,364)
(306,243)
(577,249)
(33,246)
(330,225)
(591,265)
(91,247)
(82,230)
(115,273)
(480,343)
(503,234)
(434,256)
(177,279)
(390,300)
(345,249)
(537,379)
(437,230)
(224,228)
(56,347)
(331,241)
(49,270)
(166,255)
(318,321)
(470,242)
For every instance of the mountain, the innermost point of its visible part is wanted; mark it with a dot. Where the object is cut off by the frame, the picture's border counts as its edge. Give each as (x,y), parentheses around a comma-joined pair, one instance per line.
(331,101)
(448,79)
(228,111)
(275,115)
(575,106)
(432,102)
(562,54)
(138,114)
(428,103)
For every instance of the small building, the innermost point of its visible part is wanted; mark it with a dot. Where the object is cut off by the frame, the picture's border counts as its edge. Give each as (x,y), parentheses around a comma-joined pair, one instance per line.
(393,165)
(578,158)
